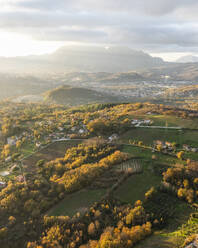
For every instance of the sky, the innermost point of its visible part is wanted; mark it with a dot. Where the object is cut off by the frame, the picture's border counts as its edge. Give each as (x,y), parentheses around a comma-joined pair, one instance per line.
(166,28)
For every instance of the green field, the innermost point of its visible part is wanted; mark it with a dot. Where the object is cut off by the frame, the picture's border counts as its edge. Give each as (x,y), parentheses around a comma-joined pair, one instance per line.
(27,149)
(146,156)
(136,186)
(166,120)
(191,155)
(77,202)
(147,135)
(173,121)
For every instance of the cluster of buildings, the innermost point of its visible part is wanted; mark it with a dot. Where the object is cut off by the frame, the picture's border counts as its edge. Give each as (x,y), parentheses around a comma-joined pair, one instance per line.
(79,129)
(13,140)
(189,148)
(164,145)
(61,135)
(169,147)
(138,123)
(113,137)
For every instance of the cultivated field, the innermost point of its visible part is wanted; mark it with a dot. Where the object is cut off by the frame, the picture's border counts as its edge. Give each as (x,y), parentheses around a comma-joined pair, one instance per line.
(136,186)
(51,152)
(77,202)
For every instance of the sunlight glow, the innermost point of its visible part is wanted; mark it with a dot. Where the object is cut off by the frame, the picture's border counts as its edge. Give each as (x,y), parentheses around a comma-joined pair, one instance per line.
(13,44)
(170,57)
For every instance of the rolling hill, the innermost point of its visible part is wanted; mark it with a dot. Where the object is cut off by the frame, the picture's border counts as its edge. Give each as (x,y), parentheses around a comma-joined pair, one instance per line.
(184,92)
(68,95)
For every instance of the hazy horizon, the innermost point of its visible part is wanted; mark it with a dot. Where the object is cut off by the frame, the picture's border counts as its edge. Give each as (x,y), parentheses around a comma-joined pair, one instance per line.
(166,29)
(169,57)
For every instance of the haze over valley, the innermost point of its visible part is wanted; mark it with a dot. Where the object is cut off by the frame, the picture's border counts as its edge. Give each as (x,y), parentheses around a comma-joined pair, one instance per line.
(118,72)
(98,124)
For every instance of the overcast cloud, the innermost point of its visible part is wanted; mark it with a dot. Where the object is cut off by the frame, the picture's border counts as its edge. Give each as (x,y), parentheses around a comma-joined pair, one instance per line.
(151,25)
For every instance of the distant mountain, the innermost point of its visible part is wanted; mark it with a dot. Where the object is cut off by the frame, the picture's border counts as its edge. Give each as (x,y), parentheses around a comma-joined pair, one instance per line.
(12,85)
(82,58)
(72,96)
(188,59)
(97,59)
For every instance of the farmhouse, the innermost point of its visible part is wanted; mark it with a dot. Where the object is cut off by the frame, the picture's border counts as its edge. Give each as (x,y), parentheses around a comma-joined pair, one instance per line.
(8,159)
(189,148)
(2,184)
(159,142)
(38,145)
(194,149)
(138,123)
(134,122)
(12,141)
(148,122)
(113,137)
(167,146)
(186,147)
(81,131)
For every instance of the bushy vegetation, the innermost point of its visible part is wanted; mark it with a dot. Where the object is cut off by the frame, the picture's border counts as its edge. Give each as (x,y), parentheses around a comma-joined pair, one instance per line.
(183,181)
(27,196)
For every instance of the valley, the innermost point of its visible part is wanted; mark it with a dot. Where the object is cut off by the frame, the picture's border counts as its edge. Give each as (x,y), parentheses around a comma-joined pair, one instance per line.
(98,124)
(94,161)
(114,75)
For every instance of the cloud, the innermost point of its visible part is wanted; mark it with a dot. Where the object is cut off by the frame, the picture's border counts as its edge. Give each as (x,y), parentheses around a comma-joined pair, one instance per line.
(152,7)
(67,34)
(169,25)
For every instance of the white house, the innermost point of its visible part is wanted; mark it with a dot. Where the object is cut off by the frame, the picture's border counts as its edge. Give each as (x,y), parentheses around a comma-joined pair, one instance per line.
(148,122)
(138,123)
(8,159)
(134,122)
(81,131)
(113,137)
(11,141)
(194,149)
(2,184)
(60,129)
(38,144)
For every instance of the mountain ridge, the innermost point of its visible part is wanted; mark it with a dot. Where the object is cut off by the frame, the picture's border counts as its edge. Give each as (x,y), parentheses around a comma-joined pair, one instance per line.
(79,58)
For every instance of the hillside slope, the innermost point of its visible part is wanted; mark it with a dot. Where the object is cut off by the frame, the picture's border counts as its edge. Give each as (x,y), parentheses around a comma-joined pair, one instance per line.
(187,91)
(74,96)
